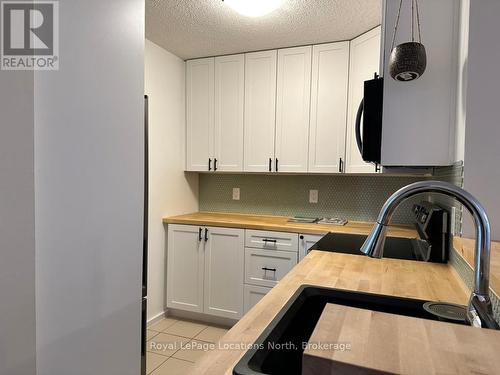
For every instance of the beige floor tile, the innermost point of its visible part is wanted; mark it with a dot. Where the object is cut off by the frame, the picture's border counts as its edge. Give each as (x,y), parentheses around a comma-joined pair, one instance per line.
(174,366)
(165,344)
(161,325)
(185,329)
(153,361)
(193,350)
(211,334)
(150,334)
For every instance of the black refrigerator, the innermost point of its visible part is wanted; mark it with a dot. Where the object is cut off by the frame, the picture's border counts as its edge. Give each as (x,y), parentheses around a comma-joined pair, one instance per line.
(144,301)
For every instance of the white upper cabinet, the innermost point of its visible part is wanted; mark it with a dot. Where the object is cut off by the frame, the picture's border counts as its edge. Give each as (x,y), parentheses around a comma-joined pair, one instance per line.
(260,110)
(229,101)
(330,70)
(292,109)
(199,114)
(364,63)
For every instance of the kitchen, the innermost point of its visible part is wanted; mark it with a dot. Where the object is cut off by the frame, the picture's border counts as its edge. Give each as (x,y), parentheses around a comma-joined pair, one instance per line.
(254,187)
(272,139)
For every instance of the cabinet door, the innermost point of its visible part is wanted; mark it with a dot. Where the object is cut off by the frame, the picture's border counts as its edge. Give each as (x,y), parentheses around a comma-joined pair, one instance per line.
(199,113)
(306,241)
(292,108)
(260,110)
(185,259)
(364,62)
(330,70)
(224,265)
(229,97)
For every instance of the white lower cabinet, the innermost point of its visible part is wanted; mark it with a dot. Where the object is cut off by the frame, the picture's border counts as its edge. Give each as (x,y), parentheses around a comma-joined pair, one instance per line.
(185,268)
(253,294)
(205,270)
(210,271)
(223,272)
(306,241)
(267,267)
(271,240)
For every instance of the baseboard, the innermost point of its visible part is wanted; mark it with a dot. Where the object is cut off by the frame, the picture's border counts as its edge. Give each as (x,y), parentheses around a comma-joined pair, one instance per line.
(197,317)
(201,318)
(156,318)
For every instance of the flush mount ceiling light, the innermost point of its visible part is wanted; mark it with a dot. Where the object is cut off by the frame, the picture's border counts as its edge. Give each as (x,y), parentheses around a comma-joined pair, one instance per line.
(254,8)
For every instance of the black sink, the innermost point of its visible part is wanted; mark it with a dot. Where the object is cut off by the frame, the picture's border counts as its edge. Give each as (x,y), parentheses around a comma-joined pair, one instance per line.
(295,323)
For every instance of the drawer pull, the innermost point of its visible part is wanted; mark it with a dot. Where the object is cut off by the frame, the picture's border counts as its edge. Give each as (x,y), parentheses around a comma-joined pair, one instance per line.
(269,269)
(268,240)
(199,234)
(206,234)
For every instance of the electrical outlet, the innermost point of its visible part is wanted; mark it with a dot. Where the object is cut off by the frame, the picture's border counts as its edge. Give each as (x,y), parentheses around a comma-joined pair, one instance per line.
(236,194)
(313,196)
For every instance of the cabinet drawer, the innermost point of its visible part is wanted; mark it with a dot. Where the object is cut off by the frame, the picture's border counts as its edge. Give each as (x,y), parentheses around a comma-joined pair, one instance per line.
(271,240)
(252,295)
(267,267)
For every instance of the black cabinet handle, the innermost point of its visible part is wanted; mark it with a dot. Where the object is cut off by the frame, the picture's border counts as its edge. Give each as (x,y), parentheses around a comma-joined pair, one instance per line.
(276,164)
(269,269)
(206,234)
(268,240)
(270,164)
(209,164)
(377,168)
(215,165)
(199,234)
(301,237)
(341,165)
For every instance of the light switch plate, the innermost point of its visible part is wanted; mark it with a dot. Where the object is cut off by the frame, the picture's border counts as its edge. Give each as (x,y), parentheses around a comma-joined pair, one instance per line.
(236,194)
(313,196)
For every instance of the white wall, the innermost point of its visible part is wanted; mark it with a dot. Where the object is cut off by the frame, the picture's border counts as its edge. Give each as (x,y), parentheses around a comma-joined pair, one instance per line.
(89,192)
(171,191)
(17,225)
(482,136)
(427,105)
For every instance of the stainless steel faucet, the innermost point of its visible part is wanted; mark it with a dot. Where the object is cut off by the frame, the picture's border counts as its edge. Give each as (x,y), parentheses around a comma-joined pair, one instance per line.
(479,311)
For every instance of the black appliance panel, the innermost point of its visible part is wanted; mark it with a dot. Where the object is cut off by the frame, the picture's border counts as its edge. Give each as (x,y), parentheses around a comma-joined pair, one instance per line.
(373,101)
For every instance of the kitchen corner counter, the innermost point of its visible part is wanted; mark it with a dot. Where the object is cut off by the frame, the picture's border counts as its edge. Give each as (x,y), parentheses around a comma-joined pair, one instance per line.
(280,224)
(428,281)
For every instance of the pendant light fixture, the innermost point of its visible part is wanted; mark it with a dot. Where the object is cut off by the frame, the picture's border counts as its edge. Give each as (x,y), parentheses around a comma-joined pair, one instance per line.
(408,60)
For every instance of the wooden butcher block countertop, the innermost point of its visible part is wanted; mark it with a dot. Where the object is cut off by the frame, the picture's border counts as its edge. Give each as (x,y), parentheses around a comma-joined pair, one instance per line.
(348,340)
(279,223)
(465,247)
(428,281)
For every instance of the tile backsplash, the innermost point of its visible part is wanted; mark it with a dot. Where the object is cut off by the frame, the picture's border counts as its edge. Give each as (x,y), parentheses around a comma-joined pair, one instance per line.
(353,197)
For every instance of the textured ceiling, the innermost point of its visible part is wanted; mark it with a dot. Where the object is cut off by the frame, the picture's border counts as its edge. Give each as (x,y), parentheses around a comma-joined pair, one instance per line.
(197,28)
